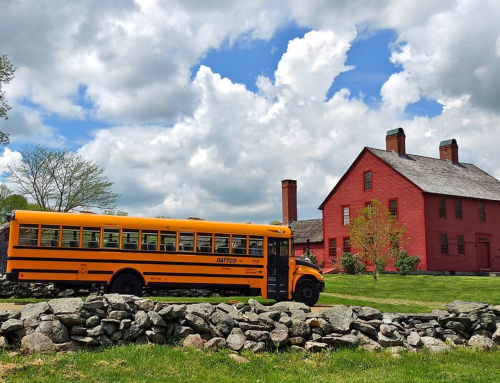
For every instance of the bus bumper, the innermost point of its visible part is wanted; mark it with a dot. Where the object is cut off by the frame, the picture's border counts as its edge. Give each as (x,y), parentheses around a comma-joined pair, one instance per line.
(12,277)
(322,286)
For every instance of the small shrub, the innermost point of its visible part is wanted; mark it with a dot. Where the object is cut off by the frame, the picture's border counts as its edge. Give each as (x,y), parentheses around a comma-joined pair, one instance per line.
(351,264)
(406,263)
(309,256)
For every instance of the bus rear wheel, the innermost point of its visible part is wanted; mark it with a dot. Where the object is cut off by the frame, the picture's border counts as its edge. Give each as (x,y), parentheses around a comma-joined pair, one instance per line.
(127,284)
(306,292)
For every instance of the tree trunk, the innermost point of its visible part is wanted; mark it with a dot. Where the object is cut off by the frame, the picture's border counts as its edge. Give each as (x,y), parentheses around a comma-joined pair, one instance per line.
(375,272)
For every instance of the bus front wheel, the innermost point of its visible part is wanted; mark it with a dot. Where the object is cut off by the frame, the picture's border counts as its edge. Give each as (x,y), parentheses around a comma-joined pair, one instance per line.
(306,292)
(127,284)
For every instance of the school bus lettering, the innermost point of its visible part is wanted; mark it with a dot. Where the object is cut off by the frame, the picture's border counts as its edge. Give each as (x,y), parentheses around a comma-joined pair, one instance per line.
(226,260)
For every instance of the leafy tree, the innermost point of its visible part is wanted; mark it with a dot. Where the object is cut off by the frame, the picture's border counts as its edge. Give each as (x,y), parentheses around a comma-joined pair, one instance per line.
(12,202)
(60,180)
(377,234)
(406,263)
(275,222)
(6,75)
(350,264)
(117,213)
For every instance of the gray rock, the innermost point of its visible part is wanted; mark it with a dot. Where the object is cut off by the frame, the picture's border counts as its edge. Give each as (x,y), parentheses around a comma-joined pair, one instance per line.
(496,336)
(87,340)
(142,319)
(251,317)
(434,345)
(414,340)
(297,341)
(78,330)
(142,340)
(254,347)
(45,317)
(197,323)
(279,338)
(396,339)
(481,342)
(95,331)
(144,305)
(181,331)
(92,321)
(14,314)
(495,309)
(465,321)
(4,315)
(125,324)
(225,308)
(67,346)
(286,320)
(223,322)
(55,330)
(156,319)
(368,344)
(155,337)
(298,349)
(203,310)
(257,307)
(315,346)
(288,306)
(455,340)
(110,325)
(299,315)
(193,341)
(459,307)
(387,330)
(134,332)
(93,304)
(259,327)
(117,335)
(365,327)
(117,302)
(34,310)
(455,326)
(340,318)
(118,314)
(236,340)
(70,319)
(320,323)
(65,305)
(257,336)
(348,340)
(367,313)
(299,328)
(238,359)
(216,343)
(4,343)
(37,342)
(11,325)
(31,322)
(488,319)
(270,315)
(173,312)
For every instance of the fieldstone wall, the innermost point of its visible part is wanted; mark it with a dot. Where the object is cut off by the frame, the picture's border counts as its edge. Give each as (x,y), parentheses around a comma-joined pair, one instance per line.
(67,324)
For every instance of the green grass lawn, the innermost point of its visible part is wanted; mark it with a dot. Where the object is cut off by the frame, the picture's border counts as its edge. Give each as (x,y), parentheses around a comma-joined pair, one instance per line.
(172,364)
(425,288)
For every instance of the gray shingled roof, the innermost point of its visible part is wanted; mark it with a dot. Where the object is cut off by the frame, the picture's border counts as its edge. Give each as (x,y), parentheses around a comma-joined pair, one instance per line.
(307,228)
(436,176)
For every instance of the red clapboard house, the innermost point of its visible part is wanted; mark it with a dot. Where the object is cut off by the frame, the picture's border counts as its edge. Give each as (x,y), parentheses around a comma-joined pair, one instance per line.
(451,209)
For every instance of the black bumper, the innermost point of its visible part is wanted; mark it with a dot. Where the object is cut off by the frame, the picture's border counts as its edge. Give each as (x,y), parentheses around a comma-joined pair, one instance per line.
(12,277)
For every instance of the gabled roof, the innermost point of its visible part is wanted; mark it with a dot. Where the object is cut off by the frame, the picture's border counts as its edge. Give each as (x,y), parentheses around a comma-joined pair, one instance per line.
(436,176)
(307,228)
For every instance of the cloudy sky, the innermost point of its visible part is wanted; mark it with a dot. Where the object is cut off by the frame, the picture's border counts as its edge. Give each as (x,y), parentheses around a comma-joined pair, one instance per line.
(202,107)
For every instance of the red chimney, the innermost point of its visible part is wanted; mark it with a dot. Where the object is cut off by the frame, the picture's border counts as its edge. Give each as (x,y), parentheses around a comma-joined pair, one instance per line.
(448,150)
(395,140)
(289,198)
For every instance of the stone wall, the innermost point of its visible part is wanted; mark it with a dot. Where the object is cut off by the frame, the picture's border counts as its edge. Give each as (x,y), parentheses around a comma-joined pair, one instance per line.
(69,323)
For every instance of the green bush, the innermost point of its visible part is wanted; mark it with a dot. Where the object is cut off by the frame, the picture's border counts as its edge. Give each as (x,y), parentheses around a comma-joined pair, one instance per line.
(309,256)
(406,263)
(351,264)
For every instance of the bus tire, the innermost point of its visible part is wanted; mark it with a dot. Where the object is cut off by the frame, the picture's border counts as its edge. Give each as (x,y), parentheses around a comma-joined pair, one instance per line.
(306,292)
(127,284)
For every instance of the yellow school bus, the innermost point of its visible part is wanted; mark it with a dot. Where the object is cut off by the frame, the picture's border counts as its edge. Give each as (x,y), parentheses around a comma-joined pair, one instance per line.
(128,254)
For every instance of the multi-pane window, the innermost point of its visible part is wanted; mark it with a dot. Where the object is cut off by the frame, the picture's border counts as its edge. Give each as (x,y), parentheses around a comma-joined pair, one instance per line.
(239,244)
(91,237)
(332,248)
(345,215)
(393,207)
(168,240)
(149,240)
(204,243)
(221,243)
(256,245)
(130,239)
(458,210)
(347,245)
(444,243)
(461,245)
(368,180)
(49,236)
(186,242)
(28,235)
(482,212)
(110,238)
(284,247)
(70,236)
(442,208)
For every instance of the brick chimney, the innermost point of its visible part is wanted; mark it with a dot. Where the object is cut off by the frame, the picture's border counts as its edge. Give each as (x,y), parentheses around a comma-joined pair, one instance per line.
(289,198)
(448,150)
(395,140)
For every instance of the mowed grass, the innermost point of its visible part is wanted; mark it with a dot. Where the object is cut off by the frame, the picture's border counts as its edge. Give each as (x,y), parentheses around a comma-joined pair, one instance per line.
(425,288)
(173,364)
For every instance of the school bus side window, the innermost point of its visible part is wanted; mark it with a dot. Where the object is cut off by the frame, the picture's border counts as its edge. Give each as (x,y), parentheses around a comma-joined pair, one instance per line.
(70,236)
(168,241)
(28,235)
(130,239)
(221,243)
(49,236)
(239,244)
(204,243)
(186,241)
(149,240)
(110,238)
(91,237)
(256,245)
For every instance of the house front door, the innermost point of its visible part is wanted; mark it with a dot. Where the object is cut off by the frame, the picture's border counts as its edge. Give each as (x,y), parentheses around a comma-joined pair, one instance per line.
(483,246)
